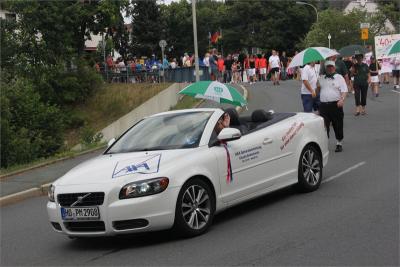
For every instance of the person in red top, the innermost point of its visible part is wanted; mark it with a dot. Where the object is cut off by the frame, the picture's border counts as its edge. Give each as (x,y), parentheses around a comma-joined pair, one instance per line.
(257,69)
(263,67)
(221,68)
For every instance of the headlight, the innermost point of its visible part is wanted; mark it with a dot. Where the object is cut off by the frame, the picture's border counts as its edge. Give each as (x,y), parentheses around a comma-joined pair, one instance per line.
(50,193)
(144,188)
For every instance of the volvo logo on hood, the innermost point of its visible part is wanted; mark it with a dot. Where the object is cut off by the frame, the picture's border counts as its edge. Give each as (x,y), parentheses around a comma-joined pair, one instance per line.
(144,165)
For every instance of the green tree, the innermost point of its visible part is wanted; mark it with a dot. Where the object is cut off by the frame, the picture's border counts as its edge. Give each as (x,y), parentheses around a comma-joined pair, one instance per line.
(266,24)
(30,129)
(244,24)
(146,27)
(390,9)
(177,21)
(343,28)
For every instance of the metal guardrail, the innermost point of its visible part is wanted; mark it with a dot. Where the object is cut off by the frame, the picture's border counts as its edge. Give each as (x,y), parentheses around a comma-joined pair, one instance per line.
(178,75)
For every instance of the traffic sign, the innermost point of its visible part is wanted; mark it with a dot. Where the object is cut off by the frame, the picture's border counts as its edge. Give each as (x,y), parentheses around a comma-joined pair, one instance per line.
(163,43)
(364,25)
(364,34)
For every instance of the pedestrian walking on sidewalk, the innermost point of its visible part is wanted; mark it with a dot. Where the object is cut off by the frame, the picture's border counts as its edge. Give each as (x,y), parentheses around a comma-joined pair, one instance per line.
(362,79)
(333,90)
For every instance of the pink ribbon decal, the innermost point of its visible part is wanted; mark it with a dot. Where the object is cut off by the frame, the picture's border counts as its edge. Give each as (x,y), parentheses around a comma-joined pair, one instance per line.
(229,176)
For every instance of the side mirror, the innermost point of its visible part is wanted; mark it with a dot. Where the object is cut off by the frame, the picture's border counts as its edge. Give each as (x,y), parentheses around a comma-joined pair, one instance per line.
(229,134)
(111,142)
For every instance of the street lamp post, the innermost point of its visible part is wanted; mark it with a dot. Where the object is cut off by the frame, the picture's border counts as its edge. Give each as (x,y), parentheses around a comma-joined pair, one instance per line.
(329,40)
(308,4)
(104,54)
(196,50)
(162,44)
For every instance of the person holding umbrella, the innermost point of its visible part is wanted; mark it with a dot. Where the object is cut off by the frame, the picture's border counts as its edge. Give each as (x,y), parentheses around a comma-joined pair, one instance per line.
(333,90)
(362,79)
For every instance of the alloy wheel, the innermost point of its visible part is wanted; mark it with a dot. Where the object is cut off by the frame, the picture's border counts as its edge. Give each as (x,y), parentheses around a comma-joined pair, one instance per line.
(311,167)
(196,207)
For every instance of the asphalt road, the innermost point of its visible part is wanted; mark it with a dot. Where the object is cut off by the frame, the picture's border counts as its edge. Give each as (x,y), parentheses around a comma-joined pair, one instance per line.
(353,219)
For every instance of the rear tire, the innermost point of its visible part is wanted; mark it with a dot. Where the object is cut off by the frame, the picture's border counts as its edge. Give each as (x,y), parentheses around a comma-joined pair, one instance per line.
(310,169)
(195,208)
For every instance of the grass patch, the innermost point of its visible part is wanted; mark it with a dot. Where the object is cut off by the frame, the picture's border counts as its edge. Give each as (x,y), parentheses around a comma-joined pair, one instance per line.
(115,100)
(108,104)
(186,102)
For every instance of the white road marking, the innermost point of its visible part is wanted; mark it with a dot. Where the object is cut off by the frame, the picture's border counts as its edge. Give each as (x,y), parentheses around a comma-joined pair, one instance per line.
(343,172)
(396,91)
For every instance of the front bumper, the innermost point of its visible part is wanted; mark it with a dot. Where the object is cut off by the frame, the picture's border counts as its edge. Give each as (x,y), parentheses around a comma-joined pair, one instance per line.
(154,212)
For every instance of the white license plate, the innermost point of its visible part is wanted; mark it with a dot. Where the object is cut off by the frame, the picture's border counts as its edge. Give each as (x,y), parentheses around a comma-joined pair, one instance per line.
(88,213)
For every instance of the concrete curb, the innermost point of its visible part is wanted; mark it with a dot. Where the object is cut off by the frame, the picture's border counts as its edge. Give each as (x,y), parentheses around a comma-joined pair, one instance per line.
(3,176)
(23,195)
(13,198)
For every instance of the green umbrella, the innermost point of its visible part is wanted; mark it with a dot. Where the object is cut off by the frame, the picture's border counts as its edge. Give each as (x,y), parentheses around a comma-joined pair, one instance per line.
(393,48)
(352,50)
(311,54)
(216,91)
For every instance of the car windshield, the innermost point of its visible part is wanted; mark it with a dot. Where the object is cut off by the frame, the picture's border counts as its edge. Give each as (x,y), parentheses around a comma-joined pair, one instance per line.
(169,131)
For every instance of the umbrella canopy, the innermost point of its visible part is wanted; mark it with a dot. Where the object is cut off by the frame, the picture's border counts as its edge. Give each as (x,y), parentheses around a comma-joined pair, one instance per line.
(352,50)
(311,54)
(393,48)
(216,91)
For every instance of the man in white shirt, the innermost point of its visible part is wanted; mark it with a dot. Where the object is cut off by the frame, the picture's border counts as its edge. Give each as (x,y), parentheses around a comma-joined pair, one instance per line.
(274,64)
(333,91)
(309,96)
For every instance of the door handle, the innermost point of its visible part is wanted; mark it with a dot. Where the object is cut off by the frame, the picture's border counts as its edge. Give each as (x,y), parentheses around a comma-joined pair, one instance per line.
(267,141)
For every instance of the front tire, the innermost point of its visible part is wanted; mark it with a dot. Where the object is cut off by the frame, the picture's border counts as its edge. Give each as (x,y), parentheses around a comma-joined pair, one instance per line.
(310,169)
(195,208)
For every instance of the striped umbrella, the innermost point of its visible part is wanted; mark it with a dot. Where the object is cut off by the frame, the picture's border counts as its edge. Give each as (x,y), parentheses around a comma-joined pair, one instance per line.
(216,91)
(311,54)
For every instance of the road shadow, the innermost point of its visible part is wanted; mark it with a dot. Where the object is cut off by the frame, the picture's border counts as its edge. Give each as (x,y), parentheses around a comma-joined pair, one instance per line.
(254,205)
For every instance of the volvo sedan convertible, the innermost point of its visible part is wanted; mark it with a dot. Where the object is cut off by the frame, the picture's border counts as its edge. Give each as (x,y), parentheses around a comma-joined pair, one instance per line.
(177,170)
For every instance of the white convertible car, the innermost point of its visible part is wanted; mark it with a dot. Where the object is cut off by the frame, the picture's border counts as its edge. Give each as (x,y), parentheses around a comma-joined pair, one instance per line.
(173,170)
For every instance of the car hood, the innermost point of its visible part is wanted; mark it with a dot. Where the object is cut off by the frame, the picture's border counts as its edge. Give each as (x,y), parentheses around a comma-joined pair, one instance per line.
(120,168)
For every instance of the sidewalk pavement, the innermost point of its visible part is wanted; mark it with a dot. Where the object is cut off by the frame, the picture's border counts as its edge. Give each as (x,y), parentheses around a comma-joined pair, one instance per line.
(39,176)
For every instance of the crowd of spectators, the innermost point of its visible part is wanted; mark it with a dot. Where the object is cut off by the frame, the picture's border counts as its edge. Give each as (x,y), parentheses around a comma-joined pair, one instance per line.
(234,68)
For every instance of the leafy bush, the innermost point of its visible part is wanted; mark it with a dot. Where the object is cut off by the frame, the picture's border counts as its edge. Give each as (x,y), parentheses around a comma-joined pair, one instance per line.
(89,136)
(65,86)
(73,119)
(30,129)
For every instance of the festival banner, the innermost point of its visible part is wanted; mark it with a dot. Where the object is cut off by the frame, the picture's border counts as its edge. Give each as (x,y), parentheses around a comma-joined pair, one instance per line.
(382,43)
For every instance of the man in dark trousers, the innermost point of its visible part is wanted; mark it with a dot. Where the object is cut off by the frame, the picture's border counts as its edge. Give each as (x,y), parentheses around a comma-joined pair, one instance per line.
(333,91)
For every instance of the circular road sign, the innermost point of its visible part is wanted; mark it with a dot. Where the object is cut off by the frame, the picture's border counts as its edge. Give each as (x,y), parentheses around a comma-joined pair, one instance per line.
(162,43)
